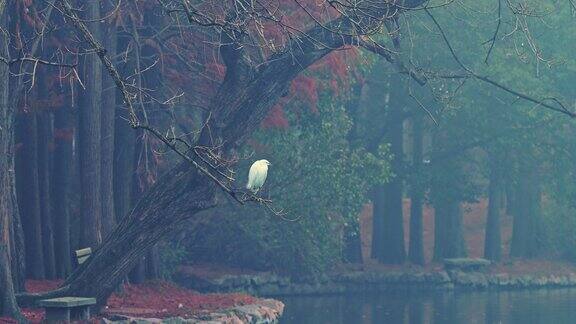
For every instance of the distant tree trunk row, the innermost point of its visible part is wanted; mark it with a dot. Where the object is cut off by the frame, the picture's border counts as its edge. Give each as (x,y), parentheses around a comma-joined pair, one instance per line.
(516,195)
(75,162)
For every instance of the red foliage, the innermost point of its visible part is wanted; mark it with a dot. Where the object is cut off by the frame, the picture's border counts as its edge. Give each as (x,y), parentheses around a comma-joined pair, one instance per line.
(37,286)
(276,118)
(306,88)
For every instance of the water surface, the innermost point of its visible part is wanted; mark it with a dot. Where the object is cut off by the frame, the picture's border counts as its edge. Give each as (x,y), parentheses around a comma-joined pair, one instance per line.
(518,307)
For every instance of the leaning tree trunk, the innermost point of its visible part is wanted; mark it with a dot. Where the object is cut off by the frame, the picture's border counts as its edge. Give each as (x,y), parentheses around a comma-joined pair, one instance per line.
(243,100)
(179,194)
(8,306)
(139,185)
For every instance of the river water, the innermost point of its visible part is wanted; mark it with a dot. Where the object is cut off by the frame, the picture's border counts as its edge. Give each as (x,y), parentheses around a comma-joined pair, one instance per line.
(519,307)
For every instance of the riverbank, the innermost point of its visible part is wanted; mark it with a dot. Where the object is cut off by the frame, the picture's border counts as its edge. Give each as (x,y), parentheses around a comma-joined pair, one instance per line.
(511,275)
(163,302)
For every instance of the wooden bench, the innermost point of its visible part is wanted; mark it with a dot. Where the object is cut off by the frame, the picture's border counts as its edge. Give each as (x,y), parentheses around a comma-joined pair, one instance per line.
(65,309)
(466,264)
(82,255)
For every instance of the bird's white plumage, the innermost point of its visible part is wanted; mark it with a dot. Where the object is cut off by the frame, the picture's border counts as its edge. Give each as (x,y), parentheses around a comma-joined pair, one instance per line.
(257,175)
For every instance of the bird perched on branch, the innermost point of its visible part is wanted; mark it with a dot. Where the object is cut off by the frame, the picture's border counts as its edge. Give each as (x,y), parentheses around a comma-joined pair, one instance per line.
(257,175)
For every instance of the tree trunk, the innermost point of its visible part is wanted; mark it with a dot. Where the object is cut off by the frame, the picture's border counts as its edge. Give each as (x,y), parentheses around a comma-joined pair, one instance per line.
(44,162)
(416,244)
(90,140)
(510,197)
(107,131)
(392,240)
(138,274)
(243,100)
(8,209)
(352,243)
(18,247)
(448,237)
(455,244)
(492,239)
(8,306)
(153,263)
(378,208)
(61,182)
(180,194)
(28,193)
(393,250)
(139,185)
(124,150)
(526,229)
(439,232)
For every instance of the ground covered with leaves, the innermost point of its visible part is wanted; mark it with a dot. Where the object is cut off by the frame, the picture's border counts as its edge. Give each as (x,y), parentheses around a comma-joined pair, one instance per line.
(155,299)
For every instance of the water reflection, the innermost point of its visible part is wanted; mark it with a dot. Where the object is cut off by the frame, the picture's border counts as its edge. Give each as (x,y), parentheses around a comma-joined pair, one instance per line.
(537,306)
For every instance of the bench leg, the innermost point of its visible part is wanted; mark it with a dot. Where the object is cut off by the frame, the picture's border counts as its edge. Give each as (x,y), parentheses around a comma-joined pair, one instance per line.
(80,313)
(57,315)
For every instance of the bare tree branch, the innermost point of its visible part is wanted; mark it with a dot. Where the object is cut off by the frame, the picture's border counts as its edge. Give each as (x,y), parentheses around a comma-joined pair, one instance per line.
(539,102)
(35,61)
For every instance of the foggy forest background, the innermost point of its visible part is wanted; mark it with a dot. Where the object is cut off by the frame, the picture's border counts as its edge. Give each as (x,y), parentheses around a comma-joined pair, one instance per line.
(477,107)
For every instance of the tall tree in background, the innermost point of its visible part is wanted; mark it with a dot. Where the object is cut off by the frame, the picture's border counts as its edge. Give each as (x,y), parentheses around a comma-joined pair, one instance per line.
(45,135)
(28,190)
(526,230)
(449,188)
(124,148)
(62,183)
(107,129)
(416,243)
(90,145)
(8,208)
(492,238)
(388,224)
(389,204)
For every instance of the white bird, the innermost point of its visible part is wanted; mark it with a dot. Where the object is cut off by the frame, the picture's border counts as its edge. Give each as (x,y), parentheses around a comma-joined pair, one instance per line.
(257,175)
